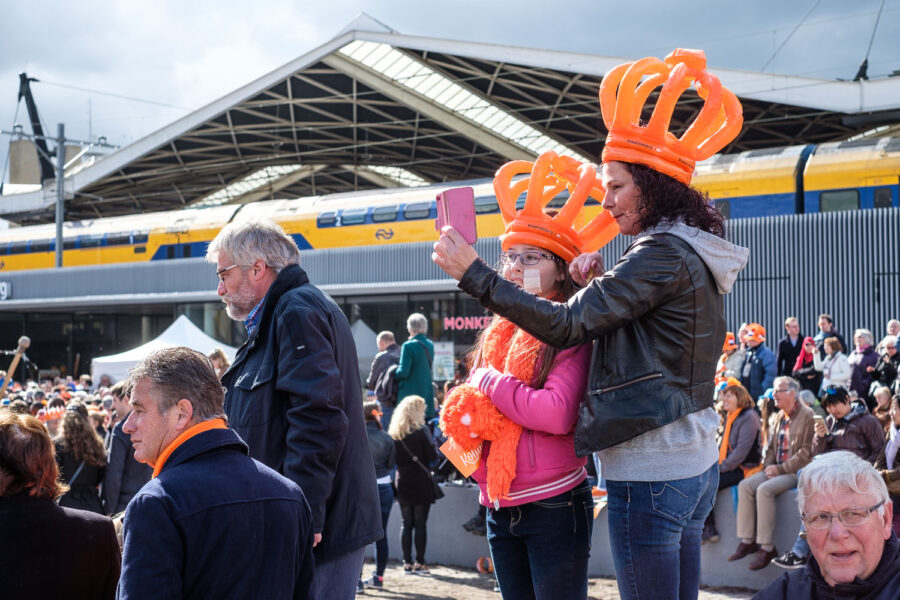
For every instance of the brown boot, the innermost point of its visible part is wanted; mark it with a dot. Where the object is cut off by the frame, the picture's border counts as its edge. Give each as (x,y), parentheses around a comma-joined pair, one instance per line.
(762,559)
(744,550)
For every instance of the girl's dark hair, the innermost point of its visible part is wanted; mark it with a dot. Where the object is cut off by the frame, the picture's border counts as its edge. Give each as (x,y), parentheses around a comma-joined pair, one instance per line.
(666,199)
(369,410)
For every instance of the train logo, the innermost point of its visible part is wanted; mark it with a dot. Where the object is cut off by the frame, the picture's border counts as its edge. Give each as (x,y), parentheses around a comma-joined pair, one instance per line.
(384,234)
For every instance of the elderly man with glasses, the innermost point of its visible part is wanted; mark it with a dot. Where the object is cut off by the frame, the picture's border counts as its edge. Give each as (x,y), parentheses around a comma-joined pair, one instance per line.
(845,506)
(788,451)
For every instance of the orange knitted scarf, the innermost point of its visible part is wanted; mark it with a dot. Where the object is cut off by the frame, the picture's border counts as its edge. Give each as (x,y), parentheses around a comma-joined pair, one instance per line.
(511,351)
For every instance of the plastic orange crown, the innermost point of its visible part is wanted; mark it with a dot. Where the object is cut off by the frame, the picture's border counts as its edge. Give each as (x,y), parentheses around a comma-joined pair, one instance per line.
(550,174)
(625,89)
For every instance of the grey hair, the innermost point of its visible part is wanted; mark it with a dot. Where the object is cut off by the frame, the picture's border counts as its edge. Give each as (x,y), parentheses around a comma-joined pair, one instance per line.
(249,240)
(176,373)
(807,397)
(889,339)
(792,383)
(867,335)
(417,323)
(837,471)
(385,336)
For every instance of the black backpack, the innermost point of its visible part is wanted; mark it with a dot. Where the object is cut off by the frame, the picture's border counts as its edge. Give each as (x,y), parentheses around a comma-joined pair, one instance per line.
(386,387)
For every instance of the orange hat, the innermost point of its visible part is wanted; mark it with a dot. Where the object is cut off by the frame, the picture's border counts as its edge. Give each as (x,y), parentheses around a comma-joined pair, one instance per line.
(729,341)
(757,332)
(550,175)
(625,89)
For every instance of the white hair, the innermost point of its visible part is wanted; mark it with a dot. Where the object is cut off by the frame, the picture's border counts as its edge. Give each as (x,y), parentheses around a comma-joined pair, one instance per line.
(889,339)
(250,240)
(838,471)
(417,323)
(384,336)
(866,334)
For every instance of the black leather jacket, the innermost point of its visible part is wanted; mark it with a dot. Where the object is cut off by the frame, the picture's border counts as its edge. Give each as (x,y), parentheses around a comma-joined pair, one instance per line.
(659,323)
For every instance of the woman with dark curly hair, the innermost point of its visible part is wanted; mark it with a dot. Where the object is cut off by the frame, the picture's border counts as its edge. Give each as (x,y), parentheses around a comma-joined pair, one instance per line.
(81,458)
(656,318)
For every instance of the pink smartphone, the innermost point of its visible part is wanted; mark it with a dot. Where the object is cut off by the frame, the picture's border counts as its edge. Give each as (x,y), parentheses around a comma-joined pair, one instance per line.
(456,207)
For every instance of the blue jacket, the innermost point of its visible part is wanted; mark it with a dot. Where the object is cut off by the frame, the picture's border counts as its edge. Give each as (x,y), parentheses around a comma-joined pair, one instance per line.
(217,524)
(758,371)
(293,394)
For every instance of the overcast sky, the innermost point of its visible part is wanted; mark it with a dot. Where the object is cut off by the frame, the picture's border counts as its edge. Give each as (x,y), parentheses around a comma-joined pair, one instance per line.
(187,54)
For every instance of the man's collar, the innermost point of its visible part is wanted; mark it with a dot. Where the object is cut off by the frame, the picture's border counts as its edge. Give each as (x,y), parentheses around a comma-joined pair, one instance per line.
(252,320)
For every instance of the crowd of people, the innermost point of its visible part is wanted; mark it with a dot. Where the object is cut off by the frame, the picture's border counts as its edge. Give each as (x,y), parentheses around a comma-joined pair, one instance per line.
(820,401)
(270,476)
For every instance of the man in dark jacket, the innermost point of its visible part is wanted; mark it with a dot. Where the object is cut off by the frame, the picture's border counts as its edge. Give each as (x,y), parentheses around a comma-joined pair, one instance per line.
(124,476)
(213,522)
(293,394)
(388,354)
(788,347)
(827,330)
(845,506)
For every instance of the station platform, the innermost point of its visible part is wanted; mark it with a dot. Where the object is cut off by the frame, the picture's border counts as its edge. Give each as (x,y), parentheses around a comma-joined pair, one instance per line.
(450,544)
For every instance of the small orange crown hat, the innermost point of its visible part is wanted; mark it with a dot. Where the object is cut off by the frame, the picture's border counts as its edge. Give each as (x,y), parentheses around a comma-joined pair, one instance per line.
(625,89)
(550,174)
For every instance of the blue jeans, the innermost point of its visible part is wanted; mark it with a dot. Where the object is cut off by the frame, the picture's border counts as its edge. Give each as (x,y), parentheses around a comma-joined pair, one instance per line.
(336,579)
(541,549)
(654,534)
(801,546)
(386,497)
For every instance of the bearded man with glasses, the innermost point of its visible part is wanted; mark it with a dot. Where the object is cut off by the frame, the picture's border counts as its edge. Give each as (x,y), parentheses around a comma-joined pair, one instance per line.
(845,506)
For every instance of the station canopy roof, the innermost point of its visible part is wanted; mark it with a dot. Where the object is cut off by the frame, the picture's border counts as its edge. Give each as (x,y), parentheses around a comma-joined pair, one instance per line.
(373,108)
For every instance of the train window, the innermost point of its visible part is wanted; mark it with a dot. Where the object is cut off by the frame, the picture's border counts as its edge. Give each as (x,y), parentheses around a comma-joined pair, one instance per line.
(41,245)
(724,208)
(486,205)
(520,203)
(91,241)
(326,219)
(140,237)
(69,244)
(560,200)
(353,216)
(384,213)
(417,210)
(185,251)
(839,200)
(591,201)
(170,251)
(118,239)
(883,197)
(18,247)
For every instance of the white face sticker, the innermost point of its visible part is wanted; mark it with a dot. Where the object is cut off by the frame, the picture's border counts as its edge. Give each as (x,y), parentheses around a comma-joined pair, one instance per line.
(531,281)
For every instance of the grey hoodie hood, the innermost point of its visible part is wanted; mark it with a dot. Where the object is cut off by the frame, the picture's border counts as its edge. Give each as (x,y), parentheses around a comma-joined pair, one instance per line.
(724,259)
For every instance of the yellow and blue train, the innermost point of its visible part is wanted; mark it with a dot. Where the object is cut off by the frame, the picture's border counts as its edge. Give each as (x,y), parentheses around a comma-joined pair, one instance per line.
(852,175)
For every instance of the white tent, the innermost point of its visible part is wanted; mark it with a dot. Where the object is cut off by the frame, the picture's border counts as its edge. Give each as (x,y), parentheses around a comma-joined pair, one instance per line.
(180,333)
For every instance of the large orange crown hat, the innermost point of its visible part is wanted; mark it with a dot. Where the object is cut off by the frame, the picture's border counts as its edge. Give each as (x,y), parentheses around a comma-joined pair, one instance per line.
(625,89)
(550,174)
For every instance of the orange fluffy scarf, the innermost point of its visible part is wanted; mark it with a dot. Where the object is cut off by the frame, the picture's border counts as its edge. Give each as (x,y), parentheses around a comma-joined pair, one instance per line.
(511,351)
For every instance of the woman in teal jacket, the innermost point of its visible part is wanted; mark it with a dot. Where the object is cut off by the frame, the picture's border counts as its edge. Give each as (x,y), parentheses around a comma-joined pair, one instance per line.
(413,373)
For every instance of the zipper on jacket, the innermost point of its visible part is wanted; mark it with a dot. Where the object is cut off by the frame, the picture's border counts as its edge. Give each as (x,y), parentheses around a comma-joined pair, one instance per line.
(618,386)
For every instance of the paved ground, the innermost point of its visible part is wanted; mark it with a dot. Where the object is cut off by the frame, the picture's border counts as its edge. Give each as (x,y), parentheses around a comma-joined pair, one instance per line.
(451,583)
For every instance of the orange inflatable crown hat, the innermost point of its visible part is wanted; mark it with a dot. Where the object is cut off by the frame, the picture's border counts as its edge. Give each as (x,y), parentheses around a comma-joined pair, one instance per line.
(625,89)
(550,174)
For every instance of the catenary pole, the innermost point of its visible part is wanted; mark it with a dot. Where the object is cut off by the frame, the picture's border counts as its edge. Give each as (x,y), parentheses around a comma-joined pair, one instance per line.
(60,190)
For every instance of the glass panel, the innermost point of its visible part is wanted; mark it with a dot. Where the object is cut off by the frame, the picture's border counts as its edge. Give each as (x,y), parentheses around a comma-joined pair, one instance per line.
(839,200)
(353,216)
(883,197)
(384,213)
(419,210)
(326,219)
(724,208)
(486,205)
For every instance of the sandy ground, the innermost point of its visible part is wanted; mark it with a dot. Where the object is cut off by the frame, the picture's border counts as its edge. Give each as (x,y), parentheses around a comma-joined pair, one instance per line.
(451,583)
